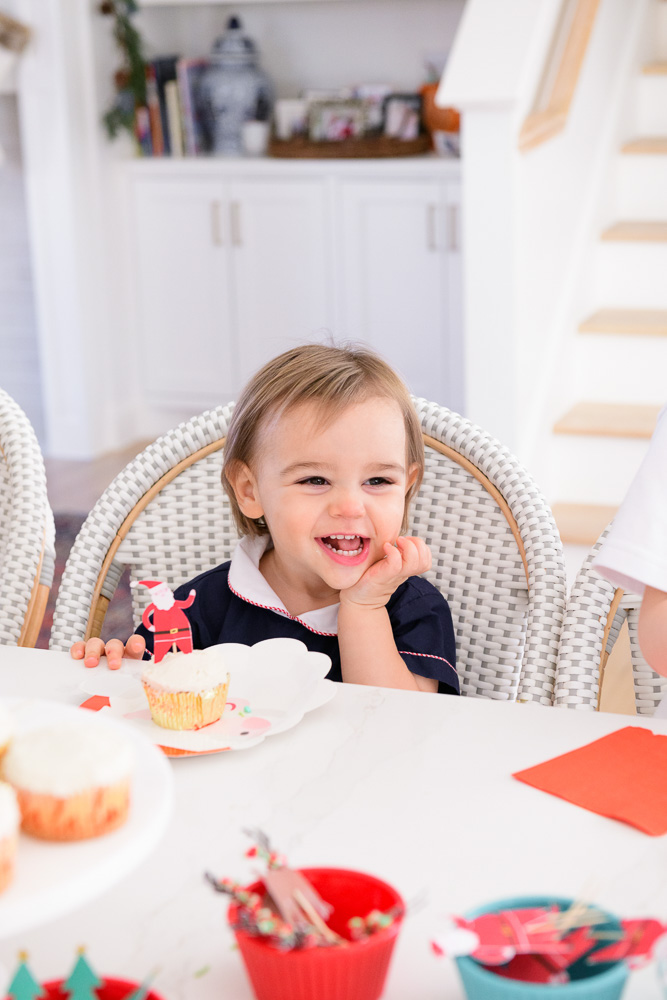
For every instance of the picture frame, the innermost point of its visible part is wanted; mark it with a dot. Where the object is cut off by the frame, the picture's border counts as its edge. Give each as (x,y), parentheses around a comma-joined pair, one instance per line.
(335,121)
(402,116)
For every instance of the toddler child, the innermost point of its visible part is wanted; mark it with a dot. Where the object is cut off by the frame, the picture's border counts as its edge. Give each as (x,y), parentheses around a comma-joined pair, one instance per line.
(323,455)
(634,554)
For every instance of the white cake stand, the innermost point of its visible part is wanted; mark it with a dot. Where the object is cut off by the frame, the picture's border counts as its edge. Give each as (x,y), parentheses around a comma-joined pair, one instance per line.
(53,878)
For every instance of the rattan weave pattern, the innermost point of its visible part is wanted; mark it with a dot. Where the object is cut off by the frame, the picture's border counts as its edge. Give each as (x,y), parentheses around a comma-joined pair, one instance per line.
(587,613)
(186,528)
(27,532)
(507,627)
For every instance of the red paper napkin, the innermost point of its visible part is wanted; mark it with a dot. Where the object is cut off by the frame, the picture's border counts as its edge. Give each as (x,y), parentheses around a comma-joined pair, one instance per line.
(623,776)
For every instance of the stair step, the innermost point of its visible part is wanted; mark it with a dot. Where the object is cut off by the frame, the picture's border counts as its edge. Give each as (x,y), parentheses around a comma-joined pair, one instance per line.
(653,145)
(636,232)
(631,420)
(633,322)
(582,523)
(657,68)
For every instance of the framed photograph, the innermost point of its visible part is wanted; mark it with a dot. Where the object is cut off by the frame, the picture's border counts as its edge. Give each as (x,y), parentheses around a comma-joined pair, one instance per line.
(333,121)
(402,115)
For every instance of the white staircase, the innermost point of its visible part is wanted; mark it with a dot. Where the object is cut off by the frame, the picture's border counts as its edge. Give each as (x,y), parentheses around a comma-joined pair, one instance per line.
(619,355)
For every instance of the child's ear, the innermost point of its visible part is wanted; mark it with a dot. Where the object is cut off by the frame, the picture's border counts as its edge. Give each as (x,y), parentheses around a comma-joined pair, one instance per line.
(244,485)
(413,472)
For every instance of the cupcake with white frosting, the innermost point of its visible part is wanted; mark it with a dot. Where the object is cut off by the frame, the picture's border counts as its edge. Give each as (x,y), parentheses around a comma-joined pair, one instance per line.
(71,781)
(6,728)
(187,690)
(9,828)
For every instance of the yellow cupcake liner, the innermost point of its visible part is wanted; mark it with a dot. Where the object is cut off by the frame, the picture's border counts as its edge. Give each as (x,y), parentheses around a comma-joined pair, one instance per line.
(186,709)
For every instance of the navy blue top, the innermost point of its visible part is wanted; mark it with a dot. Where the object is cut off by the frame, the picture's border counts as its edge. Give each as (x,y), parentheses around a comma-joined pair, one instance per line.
(420,619)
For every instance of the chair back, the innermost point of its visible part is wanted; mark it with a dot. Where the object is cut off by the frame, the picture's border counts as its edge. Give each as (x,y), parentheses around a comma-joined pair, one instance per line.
(594,615)
(27,534)
(497,556)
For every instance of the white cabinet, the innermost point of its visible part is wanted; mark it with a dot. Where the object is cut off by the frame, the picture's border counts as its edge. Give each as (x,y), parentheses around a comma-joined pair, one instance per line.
(235,261)
(282,290)
(182,289)
(228,273)
(398,244)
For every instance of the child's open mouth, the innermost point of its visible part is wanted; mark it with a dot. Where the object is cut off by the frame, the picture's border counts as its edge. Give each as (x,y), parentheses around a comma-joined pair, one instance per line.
(345,549)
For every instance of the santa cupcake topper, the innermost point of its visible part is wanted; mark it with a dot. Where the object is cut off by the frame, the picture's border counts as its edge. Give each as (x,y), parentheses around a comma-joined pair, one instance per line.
(165,618)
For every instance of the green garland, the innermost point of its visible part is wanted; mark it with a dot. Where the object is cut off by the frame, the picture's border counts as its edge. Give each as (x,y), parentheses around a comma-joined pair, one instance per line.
(131,77)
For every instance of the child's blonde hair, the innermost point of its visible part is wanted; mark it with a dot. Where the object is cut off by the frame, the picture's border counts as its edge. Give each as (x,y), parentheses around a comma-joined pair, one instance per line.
(332,377)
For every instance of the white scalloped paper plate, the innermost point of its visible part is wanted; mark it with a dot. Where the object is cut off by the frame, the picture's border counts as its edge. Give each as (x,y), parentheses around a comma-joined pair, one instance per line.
(52,878)
(272,685)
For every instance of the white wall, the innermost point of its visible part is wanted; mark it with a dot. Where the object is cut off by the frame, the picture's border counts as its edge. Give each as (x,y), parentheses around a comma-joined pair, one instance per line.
(19,356)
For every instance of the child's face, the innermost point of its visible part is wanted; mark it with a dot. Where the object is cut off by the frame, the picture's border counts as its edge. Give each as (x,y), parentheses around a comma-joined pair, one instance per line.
(331,495)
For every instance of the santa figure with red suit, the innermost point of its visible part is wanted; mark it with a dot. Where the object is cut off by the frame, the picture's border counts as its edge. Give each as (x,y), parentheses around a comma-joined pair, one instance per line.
(170,626)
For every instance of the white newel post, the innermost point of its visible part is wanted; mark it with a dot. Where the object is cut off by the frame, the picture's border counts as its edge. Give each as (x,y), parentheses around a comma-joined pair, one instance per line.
(61,141)
(491,71)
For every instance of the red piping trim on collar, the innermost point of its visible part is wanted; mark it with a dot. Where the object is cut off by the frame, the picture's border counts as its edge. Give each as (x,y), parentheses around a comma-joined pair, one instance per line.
(279,611)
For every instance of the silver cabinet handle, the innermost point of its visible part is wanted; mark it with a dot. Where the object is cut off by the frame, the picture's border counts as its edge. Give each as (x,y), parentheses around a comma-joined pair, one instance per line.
(235,219)
(216,228)
(431,227)
(453,228)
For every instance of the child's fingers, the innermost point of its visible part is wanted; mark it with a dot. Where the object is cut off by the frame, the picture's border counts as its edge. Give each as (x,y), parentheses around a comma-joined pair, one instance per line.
(416,555)
(93,650)
(78,650)
(136,646)
(114,650)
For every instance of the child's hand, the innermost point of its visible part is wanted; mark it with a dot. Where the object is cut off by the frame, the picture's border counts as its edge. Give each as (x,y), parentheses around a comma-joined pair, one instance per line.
(409,557)
(114,649)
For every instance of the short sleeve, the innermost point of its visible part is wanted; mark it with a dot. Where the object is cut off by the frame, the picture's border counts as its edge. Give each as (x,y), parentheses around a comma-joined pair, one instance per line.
(634,554)
(424,634)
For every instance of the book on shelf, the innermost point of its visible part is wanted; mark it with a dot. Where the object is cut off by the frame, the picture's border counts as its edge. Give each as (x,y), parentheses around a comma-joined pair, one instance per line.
(174,120)
(142,130)
(189,74)
(164,69)
(154,117)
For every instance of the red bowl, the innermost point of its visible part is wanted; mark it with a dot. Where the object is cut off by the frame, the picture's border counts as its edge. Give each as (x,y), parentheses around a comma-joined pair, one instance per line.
(355,972)
(110,989)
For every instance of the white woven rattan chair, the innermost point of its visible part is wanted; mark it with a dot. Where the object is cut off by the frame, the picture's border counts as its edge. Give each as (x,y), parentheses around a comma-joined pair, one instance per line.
(594,615)
(27,553)
(497,556)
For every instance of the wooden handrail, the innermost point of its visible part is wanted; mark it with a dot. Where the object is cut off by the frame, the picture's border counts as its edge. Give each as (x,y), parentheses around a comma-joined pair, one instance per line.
(561,73)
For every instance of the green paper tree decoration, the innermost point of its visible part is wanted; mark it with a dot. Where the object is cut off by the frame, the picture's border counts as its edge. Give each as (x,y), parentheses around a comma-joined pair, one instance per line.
(82,980)
(24,986)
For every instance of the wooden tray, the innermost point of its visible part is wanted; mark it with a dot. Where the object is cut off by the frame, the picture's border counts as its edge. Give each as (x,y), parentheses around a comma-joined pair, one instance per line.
(367,146)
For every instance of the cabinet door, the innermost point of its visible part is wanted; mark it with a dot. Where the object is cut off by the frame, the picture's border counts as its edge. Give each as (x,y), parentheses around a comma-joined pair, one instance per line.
(182,287)
(281,266)
(394,248)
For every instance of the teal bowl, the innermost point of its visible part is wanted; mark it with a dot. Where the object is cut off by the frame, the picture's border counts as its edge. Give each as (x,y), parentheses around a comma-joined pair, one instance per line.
(589,982)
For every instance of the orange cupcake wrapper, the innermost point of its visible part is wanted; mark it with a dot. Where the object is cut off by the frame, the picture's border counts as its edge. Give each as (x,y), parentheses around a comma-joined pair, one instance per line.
(8,847)
(78,817)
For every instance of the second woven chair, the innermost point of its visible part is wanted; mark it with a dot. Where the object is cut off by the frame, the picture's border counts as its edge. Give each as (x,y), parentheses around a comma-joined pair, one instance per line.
(595,613)
(27,535)
(497,556)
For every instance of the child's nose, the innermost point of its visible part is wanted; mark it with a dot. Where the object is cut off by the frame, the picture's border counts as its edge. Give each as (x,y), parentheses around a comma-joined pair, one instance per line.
(347,503)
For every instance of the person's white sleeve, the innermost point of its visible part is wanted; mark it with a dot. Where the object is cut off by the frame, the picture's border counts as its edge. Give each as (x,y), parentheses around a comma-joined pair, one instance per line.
(634,554)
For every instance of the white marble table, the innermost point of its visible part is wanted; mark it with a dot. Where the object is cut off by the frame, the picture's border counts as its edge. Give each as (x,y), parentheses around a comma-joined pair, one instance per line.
(414,788)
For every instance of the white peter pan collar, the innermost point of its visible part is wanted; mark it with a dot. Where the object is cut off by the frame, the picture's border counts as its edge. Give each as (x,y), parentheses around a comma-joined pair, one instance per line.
(246,581)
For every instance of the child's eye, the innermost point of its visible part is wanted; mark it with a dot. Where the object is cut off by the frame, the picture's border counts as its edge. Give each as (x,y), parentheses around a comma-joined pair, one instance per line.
(313,481)
(378,481)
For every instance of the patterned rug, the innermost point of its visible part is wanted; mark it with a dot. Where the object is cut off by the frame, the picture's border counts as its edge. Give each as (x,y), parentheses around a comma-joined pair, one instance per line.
(118,621)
